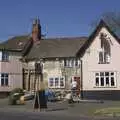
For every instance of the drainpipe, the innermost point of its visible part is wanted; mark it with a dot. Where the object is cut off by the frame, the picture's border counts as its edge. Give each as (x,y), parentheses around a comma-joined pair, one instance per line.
(81,83)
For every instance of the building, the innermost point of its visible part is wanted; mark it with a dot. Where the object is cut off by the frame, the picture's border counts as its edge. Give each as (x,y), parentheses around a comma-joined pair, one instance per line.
(91,61)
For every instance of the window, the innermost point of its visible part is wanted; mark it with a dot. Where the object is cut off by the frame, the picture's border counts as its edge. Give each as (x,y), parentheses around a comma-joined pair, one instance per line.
(4,79)
(56,82)
(51,82)
(97,81)
(105,53)
(73,62)
(105,79)
(62,82)
(5,56)
(102,81)
(104,58)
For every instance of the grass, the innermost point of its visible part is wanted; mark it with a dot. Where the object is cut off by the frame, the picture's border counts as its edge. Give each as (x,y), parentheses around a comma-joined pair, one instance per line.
(112,111)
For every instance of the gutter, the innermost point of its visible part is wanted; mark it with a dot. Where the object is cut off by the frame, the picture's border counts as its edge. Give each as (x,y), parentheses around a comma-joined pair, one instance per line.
(81,81)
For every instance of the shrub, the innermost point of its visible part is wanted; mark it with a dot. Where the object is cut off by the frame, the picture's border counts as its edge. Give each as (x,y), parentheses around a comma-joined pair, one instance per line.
(15,95)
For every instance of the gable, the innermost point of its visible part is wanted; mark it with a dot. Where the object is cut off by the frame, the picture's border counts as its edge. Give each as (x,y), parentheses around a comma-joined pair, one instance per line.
(94,51)
(105,29)
(96,44)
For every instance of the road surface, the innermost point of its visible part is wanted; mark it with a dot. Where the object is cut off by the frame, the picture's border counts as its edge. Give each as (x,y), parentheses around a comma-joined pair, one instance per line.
(55,111)
(17,115)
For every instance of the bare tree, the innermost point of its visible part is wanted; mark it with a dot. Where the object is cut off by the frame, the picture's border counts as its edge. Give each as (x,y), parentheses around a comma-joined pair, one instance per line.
(112,19)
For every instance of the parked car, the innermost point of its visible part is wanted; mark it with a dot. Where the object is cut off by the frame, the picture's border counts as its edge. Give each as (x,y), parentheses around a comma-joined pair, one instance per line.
(29,95)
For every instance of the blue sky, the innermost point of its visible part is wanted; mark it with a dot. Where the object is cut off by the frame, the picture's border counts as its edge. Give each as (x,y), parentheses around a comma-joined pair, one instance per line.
(59,18)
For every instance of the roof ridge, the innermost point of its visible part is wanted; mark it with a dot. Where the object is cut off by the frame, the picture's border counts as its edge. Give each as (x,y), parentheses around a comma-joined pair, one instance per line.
(67,38)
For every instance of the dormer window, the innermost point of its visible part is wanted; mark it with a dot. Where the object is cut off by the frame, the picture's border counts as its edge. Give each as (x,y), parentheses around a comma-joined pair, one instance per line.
(4,56)
(105,52)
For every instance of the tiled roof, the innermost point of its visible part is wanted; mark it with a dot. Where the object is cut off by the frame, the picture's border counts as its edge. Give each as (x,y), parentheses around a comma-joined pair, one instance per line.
(57,47)
(16,43)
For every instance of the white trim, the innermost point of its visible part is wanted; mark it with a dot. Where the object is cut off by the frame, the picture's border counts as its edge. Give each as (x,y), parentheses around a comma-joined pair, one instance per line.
(54,86)
(4,80)
(69,62)
(109,76)
(0,55)
(0,79)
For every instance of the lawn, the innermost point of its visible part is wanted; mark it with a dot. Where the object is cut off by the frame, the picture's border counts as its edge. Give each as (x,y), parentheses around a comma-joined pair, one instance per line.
(110,111)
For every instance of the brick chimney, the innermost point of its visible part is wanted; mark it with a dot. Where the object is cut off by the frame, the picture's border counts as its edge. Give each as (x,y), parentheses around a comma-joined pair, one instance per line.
(36,30)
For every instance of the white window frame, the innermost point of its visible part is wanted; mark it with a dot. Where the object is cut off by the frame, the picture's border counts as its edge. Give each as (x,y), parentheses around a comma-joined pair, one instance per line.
(5,56)
(4,77)
(105,58)
(104,76)
(0,55)
(59,78)
(49,82)
(71,62)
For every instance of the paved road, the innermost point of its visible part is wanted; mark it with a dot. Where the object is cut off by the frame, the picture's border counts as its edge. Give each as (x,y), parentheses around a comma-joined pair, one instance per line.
(55,111)
(12,115)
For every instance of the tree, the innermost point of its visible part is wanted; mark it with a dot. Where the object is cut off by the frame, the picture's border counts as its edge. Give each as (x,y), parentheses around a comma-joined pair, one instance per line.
(112,19)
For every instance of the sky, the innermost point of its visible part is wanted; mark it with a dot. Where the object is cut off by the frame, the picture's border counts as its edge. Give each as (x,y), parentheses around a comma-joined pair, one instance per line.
(59,18)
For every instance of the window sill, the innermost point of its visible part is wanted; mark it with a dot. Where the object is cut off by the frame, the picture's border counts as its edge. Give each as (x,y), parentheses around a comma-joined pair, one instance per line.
(104,63)
(4,61)
(4,86)
(105,87)
(57,87)
(72,67)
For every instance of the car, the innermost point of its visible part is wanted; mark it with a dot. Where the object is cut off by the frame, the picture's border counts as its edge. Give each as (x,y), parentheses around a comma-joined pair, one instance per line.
(29,95)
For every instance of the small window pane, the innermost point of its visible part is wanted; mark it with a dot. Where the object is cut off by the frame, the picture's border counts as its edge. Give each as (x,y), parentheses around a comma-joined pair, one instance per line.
(56,81)
(107,80)
(65,63)
(102,81)
(2,75)
(106,73)
(61,82)
(107,58)
(2,81)
(100,57)
(6,75)
(51,82)
(6,82)
(101,73)
(72,62)
(97,74)
(97,81)
(112,73)
(5,56)
(112,81)
(76,62)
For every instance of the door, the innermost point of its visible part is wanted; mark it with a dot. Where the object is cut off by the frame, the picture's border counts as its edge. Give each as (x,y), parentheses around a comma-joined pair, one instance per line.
(77,79)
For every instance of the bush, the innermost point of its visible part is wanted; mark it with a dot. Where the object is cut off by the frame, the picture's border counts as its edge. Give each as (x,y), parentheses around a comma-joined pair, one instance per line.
(15,95)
